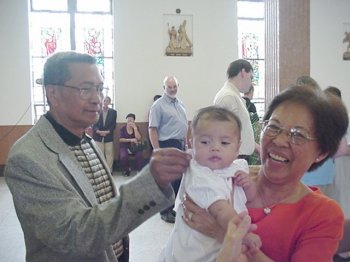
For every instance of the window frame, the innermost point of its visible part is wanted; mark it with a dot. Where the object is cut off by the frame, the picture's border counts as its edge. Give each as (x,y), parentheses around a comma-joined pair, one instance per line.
(258,101)
(39,102)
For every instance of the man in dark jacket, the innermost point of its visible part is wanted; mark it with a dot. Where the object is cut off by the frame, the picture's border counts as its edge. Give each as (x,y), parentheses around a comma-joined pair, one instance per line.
(104,131)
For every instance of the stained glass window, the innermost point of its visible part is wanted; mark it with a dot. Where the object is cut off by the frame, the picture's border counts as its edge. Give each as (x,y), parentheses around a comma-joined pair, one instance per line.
(85,26)
(251,45)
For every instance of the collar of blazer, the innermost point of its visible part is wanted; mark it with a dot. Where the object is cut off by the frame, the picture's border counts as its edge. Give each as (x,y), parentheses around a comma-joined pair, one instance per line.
(72,168)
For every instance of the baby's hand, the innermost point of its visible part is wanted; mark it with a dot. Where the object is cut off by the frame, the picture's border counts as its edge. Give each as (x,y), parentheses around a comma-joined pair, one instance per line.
(242,179)
(252,242)
(245,181)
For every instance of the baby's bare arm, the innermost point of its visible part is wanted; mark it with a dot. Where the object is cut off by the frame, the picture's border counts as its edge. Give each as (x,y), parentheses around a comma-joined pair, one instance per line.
(243,179)
(223,212)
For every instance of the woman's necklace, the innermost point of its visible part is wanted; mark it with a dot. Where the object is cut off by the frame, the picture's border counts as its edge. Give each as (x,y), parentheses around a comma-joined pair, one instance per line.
(267,209)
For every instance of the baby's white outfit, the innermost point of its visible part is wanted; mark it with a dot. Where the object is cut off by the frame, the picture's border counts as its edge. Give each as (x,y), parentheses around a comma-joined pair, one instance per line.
(204,186)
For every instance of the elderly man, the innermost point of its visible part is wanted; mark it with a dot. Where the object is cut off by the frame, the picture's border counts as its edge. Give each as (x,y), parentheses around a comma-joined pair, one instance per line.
(61,185)
(168,128)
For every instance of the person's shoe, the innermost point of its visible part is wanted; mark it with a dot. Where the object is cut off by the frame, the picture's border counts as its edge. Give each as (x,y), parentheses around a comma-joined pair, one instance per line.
(168,217)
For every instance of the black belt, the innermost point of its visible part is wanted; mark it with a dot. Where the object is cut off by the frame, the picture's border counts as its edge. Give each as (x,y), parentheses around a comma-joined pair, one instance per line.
(178,143)
(172,140)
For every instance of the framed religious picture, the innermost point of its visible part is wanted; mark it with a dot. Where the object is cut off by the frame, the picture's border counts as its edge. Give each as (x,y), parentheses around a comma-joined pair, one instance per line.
(346,41)
(178,35)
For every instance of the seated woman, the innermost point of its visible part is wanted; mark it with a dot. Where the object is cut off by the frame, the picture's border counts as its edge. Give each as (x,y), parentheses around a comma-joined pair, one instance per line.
(129,139)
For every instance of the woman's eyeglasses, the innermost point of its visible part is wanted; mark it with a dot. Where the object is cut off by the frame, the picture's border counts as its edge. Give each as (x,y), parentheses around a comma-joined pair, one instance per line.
(297,135)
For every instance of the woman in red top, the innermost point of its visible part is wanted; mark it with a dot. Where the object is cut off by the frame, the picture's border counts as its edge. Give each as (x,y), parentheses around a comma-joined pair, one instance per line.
(302,128)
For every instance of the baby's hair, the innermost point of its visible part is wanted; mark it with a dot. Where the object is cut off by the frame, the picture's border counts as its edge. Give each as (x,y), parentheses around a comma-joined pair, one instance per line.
(218,114)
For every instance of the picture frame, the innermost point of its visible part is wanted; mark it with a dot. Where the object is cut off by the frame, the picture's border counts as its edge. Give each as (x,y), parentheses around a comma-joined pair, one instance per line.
(346,41)
(177,35)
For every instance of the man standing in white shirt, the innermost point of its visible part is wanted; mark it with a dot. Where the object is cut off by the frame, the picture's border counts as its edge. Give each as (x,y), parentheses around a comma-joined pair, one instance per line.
(239,74)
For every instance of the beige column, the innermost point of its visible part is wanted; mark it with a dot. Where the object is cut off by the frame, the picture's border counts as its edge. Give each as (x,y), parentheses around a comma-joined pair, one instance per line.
(287,43)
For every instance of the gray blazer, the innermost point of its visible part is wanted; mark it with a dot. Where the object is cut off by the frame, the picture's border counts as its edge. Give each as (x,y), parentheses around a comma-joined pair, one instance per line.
(57,207)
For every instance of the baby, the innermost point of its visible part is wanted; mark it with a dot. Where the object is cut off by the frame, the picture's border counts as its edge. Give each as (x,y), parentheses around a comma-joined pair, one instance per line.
(216,134)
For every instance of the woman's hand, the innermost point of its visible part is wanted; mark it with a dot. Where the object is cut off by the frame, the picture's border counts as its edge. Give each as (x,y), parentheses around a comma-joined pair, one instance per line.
(134,140)
(200,220)
(132,125)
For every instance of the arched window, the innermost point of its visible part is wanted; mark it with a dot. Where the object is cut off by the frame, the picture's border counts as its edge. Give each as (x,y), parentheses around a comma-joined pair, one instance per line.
(60,25)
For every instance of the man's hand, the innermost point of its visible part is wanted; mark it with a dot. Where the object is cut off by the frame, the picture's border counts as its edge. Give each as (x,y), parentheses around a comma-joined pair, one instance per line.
(102,133)
(168,164)
(232,248)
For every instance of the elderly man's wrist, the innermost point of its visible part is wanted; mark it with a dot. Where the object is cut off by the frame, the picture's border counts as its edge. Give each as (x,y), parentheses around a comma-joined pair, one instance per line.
(167,190)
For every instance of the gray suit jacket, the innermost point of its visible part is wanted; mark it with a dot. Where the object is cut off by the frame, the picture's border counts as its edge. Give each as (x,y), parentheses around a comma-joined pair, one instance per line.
(57,207)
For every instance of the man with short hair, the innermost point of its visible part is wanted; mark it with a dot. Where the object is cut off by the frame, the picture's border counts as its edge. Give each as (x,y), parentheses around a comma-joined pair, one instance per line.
(168,128)
(103,131)
(240,75)
(63,191)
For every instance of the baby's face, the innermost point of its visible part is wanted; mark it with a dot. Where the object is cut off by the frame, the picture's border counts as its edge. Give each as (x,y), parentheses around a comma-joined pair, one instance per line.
(215,143)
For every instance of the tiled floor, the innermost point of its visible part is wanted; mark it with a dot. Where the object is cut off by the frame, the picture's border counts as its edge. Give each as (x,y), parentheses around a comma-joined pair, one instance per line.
(146,241)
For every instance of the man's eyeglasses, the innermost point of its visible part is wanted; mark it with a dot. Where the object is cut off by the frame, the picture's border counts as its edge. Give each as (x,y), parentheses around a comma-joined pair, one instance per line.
(87,90)
(297,135)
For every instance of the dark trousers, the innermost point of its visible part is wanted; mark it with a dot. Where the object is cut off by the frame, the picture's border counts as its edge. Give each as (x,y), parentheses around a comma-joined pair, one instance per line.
(179,144)
(124,159)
